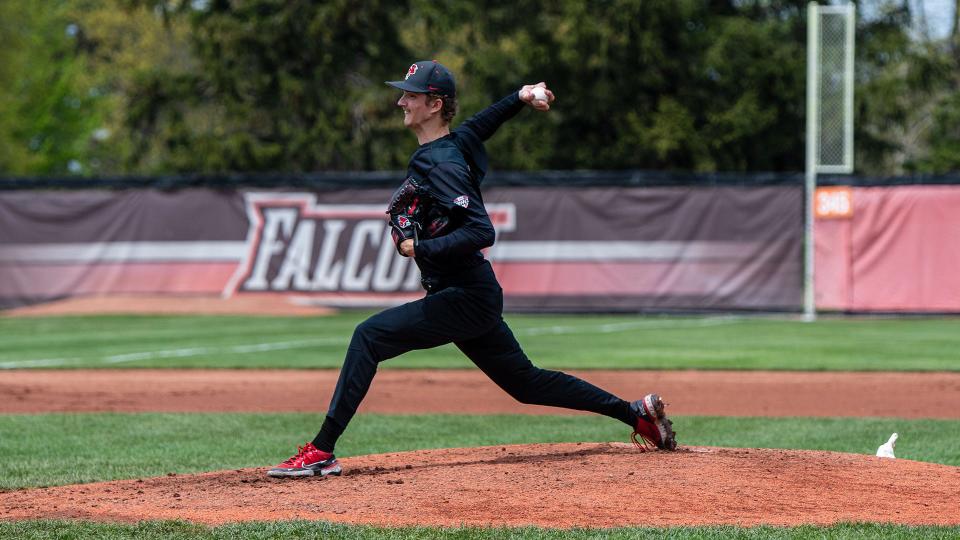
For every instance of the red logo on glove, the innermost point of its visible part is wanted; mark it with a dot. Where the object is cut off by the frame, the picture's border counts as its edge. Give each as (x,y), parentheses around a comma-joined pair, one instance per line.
(403,222)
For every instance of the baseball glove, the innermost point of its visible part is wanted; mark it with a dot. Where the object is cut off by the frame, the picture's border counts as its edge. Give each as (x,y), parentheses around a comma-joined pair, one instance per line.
(405,212)
(415,215)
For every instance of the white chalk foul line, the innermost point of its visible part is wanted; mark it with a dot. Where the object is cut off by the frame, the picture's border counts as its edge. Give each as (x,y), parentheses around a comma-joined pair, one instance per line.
(236,349)
(43,362)
(610,328)
(174,353)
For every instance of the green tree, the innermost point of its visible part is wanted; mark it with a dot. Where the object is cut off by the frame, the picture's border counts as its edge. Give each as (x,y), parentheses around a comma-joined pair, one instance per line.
(279,86)
(942,139)
(664,85)
(906,106)
(125,42)
(48,114)
(298,85)
(156,86)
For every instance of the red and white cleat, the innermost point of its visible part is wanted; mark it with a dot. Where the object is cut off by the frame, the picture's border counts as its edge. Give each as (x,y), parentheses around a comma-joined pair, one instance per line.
(308,461)
(653,427)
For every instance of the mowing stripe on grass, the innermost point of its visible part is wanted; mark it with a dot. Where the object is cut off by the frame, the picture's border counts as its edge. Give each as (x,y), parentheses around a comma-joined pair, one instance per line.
(645,324)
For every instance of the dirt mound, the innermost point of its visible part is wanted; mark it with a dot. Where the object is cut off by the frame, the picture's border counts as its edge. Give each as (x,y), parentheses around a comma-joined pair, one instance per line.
(266,304)
(555,485)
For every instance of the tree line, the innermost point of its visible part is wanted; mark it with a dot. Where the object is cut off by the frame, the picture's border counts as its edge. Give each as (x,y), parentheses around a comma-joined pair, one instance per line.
(166,86)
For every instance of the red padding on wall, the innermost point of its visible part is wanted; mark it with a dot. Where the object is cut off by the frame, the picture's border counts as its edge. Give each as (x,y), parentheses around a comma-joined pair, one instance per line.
(899,251)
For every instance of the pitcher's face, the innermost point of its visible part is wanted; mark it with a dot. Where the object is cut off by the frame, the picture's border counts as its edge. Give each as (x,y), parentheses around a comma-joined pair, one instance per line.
(416,108)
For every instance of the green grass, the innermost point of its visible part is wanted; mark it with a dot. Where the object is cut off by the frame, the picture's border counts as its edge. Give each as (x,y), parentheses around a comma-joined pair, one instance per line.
(116,446)
(319,530)
(559,342)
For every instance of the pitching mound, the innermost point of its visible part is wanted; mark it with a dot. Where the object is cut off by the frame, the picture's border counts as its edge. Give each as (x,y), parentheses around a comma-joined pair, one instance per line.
(549,485)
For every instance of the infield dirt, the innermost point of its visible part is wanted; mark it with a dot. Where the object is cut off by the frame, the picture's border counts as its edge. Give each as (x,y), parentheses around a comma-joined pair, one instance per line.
(720,393)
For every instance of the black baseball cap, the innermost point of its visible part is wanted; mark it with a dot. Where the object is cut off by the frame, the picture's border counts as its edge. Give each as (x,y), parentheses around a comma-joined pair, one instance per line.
(427,77)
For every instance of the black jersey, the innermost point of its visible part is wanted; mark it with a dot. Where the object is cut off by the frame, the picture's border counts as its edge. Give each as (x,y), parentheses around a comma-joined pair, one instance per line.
(451,169)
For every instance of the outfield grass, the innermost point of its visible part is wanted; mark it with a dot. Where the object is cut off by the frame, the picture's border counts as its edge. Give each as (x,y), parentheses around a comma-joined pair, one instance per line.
(320,530)
(117,446)
(558,342)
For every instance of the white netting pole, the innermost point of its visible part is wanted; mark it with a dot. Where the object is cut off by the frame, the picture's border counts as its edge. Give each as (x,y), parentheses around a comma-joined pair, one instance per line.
(810,183)
(829,148)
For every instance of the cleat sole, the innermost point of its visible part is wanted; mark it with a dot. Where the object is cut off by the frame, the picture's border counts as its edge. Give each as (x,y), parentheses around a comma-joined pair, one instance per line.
(655,407)
(302,472)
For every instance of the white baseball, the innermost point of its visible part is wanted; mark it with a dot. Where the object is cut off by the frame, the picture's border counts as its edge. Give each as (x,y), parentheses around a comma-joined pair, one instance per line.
(539,94)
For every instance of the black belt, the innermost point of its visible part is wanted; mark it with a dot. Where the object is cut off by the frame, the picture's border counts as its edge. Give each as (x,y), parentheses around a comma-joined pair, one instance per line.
(470,275)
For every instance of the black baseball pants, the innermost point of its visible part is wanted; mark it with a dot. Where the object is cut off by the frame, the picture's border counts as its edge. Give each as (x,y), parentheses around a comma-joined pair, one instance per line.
(466,311)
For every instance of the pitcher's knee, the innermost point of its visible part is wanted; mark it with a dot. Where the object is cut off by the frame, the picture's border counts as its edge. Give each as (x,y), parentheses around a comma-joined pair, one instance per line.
(363,335)
(377,325)
(363,329)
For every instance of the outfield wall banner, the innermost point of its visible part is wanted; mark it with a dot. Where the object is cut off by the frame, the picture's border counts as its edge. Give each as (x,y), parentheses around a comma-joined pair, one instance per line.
(889,249)
(589,248)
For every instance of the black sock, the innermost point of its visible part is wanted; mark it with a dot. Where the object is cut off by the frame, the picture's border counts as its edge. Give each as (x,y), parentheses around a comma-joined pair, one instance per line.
(329,433)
